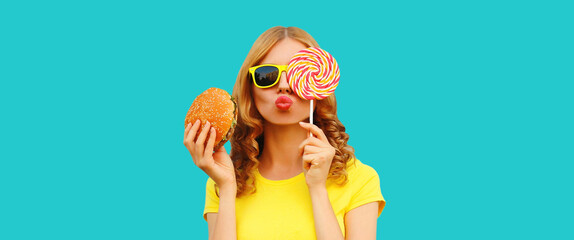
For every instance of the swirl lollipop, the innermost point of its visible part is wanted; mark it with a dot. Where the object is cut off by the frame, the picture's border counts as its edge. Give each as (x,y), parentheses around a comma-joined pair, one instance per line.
(313,73)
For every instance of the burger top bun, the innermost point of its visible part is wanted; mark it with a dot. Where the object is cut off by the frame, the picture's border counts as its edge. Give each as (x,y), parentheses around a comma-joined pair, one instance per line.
(218,107)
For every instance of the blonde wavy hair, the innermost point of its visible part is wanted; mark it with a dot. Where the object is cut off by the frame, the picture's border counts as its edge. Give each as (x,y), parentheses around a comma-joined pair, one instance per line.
(247,140)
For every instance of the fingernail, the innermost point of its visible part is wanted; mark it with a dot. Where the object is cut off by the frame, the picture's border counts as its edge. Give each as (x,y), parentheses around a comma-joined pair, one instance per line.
(301,123)
(196,121)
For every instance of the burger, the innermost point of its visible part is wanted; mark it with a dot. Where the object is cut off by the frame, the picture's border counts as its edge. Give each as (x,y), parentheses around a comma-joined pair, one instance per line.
(219,108)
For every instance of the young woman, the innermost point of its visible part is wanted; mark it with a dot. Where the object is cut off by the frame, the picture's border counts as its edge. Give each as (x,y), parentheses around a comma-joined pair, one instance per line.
(280,182)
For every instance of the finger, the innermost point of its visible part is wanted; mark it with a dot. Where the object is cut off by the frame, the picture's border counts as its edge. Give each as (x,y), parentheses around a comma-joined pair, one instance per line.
(187,127)
(193,131)
(221,149)
(313,141)
(309,149)
(210,142)
(316,131)
(308,161)
(309,158)
(310,142)
(301,147)
(200,143)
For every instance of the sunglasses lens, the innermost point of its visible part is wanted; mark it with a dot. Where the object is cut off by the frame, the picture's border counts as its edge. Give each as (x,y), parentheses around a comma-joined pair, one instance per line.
(266,75)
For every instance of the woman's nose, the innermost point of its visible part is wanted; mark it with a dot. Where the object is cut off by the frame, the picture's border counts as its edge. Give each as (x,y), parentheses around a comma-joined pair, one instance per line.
(283,84)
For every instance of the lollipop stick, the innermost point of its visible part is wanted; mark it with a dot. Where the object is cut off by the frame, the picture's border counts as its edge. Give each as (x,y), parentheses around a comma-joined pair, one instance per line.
(311,116)
(311,113)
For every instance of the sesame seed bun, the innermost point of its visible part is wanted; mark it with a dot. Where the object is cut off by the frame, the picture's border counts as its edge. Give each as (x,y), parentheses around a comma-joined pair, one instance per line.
(218,107)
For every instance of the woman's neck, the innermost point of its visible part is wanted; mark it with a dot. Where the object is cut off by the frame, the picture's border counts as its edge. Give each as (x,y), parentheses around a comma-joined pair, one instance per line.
(280,157)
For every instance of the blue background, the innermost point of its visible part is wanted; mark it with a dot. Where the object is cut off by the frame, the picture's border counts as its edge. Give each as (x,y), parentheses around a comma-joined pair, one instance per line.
(463,107)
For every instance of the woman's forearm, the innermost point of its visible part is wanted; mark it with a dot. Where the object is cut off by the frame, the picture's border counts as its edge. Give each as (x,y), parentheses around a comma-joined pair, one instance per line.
(225,225)
(326,225)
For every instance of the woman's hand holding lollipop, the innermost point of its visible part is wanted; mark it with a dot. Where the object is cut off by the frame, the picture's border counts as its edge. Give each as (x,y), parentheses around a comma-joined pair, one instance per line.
(317,154)
(313,74)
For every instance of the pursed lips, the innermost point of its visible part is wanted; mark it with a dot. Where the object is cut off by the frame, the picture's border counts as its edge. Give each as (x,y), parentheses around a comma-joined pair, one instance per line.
(283,103)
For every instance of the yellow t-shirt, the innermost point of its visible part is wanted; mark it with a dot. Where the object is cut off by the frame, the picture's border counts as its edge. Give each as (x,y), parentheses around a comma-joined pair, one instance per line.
(282,209)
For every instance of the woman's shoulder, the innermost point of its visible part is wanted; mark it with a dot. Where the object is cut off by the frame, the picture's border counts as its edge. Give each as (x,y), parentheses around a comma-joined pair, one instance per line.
(359,175)
(357,168)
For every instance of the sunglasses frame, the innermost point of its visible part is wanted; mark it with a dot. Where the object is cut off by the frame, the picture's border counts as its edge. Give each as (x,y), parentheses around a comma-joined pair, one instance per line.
(282,68)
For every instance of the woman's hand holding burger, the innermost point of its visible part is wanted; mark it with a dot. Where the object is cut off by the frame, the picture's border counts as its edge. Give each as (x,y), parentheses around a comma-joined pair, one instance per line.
(218,164)
(209,123)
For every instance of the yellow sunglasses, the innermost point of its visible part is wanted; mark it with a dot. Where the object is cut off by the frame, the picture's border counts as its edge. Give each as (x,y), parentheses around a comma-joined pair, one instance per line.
(267,75)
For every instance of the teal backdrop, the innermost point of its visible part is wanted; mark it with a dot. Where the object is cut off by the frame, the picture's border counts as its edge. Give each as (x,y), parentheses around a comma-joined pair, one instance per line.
(464,108)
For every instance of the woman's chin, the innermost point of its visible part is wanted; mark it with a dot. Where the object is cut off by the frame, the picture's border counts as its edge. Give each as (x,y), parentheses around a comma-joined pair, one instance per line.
(286,120)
